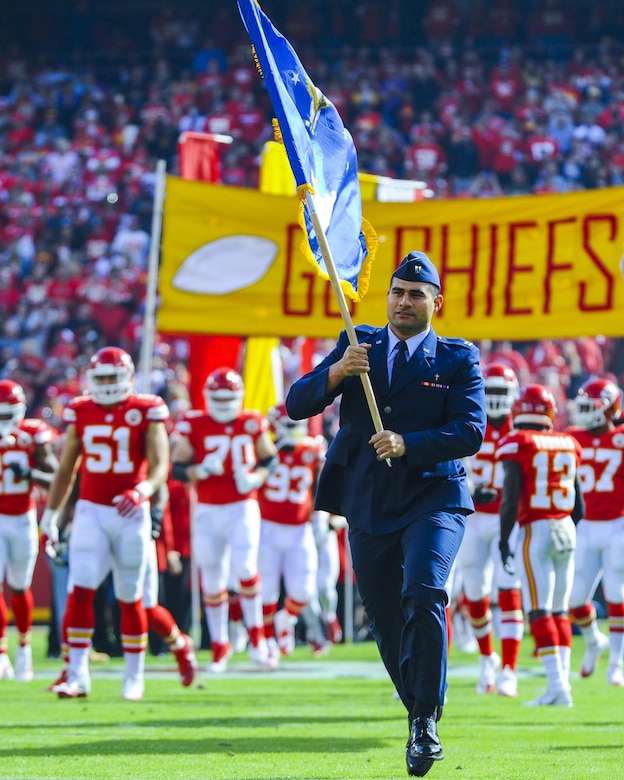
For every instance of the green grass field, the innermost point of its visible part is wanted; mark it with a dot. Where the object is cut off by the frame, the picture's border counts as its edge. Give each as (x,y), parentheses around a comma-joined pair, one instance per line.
(314,719)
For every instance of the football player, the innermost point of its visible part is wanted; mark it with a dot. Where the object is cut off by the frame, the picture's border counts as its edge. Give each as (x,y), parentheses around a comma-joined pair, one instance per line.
(118,440)
(321,615)
(479,560)
(287,547)
(26,459)
(541,493)
(227,453)
(159,619)
(600,534)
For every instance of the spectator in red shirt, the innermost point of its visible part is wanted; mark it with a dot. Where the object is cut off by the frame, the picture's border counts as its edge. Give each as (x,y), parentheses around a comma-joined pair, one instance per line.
(539,147)
(507,154)
(441,21)
(505,87)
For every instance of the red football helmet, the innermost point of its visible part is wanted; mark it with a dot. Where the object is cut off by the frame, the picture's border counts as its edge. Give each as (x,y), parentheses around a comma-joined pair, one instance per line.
(287,431)
(224,393)
(110,376)
(12,406)
(535,405)
(501,389)
(597,402)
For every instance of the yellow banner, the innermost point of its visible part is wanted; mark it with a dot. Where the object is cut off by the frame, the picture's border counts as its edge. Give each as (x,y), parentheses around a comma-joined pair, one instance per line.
(546,266)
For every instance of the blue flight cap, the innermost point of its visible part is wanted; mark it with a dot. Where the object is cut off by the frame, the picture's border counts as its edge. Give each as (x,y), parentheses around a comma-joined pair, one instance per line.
(417,267)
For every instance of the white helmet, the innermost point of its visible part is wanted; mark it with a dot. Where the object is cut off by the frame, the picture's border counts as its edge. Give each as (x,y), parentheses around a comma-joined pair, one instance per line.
(501,389)
(12,406)
(224,393)
(106,363)
(597,402)
(287,432)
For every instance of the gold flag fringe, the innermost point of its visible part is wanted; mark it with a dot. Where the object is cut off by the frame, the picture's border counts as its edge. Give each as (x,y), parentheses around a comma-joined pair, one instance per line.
(277,133)
(257,61)
(370,238)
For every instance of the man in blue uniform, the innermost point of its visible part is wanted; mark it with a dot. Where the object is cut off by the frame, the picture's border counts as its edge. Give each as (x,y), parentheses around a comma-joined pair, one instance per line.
(406,522)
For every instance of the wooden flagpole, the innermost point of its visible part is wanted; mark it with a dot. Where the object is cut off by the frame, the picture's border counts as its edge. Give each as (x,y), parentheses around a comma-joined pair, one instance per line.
(149,316)
(344,311)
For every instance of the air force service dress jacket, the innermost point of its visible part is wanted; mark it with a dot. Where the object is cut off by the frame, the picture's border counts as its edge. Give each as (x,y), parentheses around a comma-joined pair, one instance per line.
(437,405)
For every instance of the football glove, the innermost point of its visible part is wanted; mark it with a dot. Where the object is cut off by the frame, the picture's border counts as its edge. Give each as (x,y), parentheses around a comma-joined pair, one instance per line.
(507,557)
(246,481)
(58,553)
(211,464)
(128,501)
(49,525)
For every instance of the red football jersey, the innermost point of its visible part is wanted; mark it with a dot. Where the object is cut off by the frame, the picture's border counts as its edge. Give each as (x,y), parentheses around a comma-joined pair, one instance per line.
(549,461)
(16,496)
(486,471)
(234,443)
(601,473)
(113,443)
(287,495)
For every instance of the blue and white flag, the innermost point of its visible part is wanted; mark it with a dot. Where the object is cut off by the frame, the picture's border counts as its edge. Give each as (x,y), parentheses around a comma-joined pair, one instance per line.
(321,154)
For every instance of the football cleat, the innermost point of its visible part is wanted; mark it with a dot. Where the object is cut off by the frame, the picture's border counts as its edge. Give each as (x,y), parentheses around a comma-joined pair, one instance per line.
(334,631)
(285,631)
(507,682)
(74,688)
(133,687)
(614,675)
(221,654)
(187,662)
(259,654)
(6,670)
(489,665)
(593,651)
(62,680)
(319,649)
(274,651)
(23,664)
(238,636)
(560,698)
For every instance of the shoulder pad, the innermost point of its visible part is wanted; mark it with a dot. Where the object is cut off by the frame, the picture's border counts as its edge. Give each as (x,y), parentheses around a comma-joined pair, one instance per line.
(151,398)
(81,400)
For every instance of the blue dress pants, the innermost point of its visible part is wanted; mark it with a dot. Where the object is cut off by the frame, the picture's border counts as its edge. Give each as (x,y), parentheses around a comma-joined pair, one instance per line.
(401,578)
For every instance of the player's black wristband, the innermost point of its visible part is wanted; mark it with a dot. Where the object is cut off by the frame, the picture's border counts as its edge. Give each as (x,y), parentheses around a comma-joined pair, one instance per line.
(484,495)
(179,471)
(21,472)
(270,463)
(505,552)
(157,520)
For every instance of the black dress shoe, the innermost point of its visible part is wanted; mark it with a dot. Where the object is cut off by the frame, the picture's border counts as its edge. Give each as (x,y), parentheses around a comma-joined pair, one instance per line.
(418,767)
(423,746)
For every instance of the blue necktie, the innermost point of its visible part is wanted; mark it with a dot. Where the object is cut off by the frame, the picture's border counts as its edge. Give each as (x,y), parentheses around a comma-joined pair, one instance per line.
(400,360)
